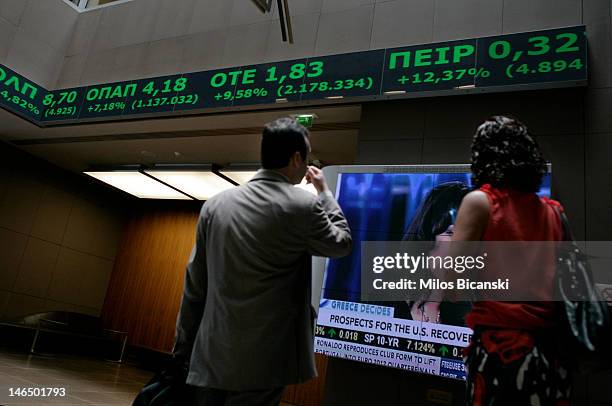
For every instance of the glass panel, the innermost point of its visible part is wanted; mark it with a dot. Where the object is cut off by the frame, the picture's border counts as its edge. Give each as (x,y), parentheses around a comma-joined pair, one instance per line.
(95,3)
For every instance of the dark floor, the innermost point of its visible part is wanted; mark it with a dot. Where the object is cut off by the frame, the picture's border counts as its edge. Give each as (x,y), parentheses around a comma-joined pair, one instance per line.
(86,381)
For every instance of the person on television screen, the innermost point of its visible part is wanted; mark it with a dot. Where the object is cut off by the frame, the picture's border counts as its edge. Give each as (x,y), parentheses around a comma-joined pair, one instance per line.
(245,322)
(512,358)
(433,222)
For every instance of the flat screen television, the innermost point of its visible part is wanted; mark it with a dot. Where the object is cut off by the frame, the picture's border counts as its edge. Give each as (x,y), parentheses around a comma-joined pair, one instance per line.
(391,203)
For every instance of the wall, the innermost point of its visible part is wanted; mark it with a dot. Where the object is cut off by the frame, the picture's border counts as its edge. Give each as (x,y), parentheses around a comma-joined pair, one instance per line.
(34,37)
(58,237)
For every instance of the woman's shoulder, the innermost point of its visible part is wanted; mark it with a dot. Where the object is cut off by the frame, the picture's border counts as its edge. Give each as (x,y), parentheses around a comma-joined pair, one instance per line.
(492,191)
(493,194)
(553,203)
(477,201)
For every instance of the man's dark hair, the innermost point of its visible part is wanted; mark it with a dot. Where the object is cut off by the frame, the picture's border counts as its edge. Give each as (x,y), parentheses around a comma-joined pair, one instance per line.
(505,155)
(281,139)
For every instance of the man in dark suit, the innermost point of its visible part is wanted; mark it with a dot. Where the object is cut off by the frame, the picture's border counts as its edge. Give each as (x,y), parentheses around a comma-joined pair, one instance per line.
(246,322)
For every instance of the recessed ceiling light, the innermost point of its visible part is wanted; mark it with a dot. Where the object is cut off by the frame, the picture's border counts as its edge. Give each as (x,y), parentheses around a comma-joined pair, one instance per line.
(137,184)
(240,177)
(200,184)
(466,87)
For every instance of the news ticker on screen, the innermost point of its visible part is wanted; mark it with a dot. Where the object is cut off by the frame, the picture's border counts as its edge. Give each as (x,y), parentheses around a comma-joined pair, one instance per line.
(541,59)
(371,334)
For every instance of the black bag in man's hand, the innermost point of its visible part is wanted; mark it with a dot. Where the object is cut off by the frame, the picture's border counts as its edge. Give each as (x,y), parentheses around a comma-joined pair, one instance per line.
(585,329)
(167,388)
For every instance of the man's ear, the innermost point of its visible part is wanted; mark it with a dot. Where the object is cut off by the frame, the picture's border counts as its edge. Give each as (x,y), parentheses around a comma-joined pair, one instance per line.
(295,159)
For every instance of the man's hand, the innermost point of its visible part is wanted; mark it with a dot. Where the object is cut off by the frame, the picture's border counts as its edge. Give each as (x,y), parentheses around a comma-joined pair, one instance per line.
(315,176)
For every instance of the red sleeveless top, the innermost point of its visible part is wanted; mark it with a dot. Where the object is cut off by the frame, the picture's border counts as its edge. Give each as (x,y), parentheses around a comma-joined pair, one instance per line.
(520,216)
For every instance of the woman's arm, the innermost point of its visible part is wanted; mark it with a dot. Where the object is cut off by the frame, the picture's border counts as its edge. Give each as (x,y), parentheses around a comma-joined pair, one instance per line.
(473,217)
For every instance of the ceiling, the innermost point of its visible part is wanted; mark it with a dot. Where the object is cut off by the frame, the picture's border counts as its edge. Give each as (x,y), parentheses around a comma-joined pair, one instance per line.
(216,138)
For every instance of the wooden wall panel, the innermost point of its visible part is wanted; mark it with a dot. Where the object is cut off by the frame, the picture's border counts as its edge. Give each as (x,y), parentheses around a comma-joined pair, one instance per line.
(145,289)
(309,393)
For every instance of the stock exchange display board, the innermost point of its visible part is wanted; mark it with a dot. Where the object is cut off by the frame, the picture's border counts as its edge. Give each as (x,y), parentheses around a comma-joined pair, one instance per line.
(20,95)
(549,58)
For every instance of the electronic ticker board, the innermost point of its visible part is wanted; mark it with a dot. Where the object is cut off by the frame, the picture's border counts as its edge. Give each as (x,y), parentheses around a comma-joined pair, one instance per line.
(548,58)
(20,95)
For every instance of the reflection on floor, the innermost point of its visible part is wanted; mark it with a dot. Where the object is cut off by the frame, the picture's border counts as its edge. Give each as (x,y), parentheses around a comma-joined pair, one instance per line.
(87,381)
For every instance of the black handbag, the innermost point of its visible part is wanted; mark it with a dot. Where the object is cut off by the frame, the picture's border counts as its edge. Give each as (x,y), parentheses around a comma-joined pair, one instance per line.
(167,388)
(584,320)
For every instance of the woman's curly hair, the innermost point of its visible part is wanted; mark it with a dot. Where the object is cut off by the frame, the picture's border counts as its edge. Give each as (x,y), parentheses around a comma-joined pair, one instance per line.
(505,155)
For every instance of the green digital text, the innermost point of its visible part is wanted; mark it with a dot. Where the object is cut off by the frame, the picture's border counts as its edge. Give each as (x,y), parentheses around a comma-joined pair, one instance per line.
(431,56)
(18,84)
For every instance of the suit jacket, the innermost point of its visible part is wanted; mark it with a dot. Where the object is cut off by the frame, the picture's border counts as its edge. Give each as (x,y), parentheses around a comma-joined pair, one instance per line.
(245,320)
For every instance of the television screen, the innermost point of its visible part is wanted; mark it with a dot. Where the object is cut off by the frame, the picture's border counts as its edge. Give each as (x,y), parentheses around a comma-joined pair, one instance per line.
(399,203)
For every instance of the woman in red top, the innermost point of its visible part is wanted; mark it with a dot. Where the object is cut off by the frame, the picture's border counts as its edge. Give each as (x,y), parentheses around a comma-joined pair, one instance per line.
(511,360)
